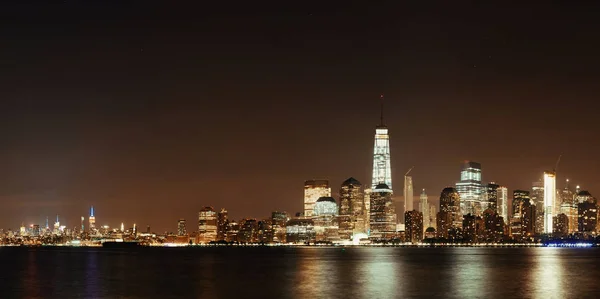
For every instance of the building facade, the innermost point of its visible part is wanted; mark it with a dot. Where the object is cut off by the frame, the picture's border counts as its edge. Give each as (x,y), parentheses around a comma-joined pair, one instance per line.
(470,189)
(313,190)
(222,222)
(414,226)
(207,225)
(382,213)
(549,200)
(352,215)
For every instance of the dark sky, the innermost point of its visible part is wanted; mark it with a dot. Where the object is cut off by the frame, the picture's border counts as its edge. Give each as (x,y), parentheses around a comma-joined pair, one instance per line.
(150,111)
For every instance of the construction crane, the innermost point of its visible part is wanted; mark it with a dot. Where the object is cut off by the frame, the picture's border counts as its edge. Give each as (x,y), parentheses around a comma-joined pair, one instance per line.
(409,171)
(556,165)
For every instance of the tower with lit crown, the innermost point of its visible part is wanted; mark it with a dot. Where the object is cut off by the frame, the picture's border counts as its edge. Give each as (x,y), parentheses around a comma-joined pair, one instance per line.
(92,219)
(382,170)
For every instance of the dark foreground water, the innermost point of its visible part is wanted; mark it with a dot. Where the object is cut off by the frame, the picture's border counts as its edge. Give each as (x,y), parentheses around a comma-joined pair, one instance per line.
(300,273)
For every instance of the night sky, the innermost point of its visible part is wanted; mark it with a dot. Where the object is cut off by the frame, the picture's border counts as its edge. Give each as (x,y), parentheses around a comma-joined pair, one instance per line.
(149,112)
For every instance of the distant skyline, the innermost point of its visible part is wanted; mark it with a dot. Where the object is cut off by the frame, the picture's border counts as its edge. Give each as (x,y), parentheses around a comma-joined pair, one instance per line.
(150,113)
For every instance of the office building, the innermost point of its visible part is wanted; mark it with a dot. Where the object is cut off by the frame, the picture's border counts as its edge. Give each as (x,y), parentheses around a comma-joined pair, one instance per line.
(503,203)
(587,209)
(325,219)
(300,230)
(449,218)
(352,215)
(248,232)
(473,228)
(470,189)
(408,193)
(424,208)
(207,225)
(414,226)
(181,230)
(491,191)
(383,213)
(222,221)
(537,197)
(560,226)
(279,221)
(549,200)
(313,190)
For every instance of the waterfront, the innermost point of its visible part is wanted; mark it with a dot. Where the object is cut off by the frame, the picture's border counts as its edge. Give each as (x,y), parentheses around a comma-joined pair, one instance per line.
(284,272)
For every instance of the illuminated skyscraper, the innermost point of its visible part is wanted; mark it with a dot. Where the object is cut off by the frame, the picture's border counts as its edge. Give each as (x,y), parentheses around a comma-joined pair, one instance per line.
(383,213)
(382,170)
(449,218)
(313,190)
(560,226)
(520,198)
(470,189)
(222,222)
(549,200)
(207,225)
(537,196)
(181,230)
(587,208)
(92,219)
(325,224)
(424,208)
(414,226)
(352,209)
(279,221)
(432,216)
(492,196)
(408,193)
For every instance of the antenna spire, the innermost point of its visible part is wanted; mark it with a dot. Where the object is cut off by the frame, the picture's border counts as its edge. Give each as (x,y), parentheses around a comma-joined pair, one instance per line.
(381,117)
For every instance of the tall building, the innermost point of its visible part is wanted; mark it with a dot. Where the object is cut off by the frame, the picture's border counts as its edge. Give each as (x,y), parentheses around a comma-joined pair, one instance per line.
(279,220)
(492,196)
(313,190)
(222,221)
(181,230)
(382,170)
(424,208)
(520,197)
(449,218)
(408,193)
(503,203)
(560,227)
(473,228)
(383,213)
(470,189)
(414,226)
(493,226)
(528,218)
(352,218)
(325,219)
(432,216)
(537,196)
(207,225)
(248,232)
(587,209)
(92,219)
(549,199)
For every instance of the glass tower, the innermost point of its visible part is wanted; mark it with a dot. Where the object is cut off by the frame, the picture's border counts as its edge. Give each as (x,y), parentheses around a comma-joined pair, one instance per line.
(549,199)
(470,189)
(382,170)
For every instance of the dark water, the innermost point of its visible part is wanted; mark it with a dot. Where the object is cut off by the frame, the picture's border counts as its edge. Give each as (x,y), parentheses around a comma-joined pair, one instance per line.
(300,273)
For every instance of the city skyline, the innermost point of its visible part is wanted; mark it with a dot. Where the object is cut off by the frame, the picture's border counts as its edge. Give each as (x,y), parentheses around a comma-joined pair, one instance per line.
(134,108)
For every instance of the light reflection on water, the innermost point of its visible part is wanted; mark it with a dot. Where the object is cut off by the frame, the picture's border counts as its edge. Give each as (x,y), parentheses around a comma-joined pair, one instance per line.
(384,272)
